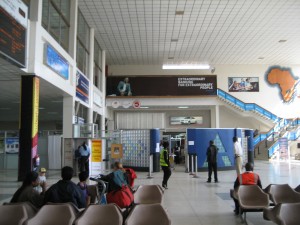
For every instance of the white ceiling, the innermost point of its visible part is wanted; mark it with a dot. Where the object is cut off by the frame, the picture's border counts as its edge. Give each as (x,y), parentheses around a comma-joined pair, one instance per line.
(211,31)
(140,32)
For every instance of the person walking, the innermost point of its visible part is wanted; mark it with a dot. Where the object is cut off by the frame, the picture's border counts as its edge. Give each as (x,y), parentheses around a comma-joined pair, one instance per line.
(211,154)
(165,164)
(238,156)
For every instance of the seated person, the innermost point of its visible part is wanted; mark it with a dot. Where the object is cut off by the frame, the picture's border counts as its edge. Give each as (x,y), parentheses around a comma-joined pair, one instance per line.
(42,180)
(83,176)
(27,193)
(65,190)
(124,88)
(246,178)
(117,178)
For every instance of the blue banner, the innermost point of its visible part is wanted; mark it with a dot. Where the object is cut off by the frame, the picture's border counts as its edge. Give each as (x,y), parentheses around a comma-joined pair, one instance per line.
(56,62)
(82,87)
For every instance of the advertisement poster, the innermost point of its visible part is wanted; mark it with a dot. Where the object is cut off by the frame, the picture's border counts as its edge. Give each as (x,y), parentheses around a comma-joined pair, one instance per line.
(162,86)
(96,151)
(116,151)
(35,116)
(56,62)
(243,84)
(283,148)
(82,87)
(12,145)
(186,120)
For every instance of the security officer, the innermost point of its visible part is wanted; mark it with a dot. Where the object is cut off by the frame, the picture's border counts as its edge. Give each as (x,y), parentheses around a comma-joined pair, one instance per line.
(165,164)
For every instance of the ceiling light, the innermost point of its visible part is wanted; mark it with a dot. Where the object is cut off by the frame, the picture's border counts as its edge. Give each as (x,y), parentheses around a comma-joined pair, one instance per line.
(179,13)
(185,66)
(183,107)
(261,57)
(174,40)
(144,107)
(281,41)
(41,108)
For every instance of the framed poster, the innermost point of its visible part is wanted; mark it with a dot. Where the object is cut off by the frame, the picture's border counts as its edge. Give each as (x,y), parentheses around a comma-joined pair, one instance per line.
(186,120)
(243,84)
(116,151)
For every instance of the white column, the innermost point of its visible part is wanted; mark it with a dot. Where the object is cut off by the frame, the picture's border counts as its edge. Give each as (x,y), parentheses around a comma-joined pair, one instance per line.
(91,77)
(217,112)
(68,113)
(73,28)
(215,117)
(103,107)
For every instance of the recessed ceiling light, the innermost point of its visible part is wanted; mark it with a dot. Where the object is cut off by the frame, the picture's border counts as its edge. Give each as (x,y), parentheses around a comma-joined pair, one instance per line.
(183,107)
(281,41)
(179,13)
(185,66)
(172,57)
(174,40)
(41,108)
(144,107)
(261,57)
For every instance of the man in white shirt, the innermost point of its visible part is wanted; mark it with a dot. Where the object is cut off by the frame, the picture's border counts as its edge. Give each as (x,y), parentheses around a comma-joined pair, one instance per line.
(238,156)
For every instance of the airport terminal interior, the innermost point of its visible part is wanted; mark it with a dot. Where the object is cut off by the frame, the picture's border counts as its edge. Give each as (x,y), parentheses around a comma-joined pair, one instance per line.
(126,76)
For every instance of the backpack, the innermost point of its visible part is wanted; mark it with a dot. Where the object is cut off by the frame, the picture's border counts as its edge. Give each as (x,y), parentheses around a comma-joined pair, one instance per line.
(122,197)
(119,178)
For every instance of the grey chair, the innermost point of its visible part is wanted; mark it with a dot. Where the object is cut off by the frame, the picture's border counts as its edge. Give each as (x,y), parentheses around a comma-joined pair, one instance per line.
(58,214)
(251,199)
(148,214)
(148,194)
(109,214)
(283,214)
(13,214)
(283,193)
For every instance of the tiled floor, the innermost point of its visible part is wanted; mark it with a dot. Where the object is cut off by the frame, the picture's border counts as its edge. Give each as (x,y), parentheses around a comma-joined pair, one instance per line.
(192,201)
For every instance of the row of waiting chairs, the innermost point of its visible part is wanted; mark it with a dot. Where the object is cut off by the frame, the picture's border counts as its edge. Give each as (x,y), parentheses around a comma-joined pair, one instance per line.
(146,205)
(252,198)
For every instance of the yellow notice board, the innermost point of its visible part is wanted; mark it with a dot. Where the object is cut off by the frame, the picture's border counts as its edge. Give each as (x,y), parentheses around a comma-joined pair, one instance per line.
(116,151)
(96,151)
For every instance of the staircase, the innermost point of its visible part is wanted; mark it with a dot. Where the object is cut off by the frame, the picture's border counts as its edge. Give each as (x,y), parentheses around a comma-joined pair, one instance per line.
(267,143)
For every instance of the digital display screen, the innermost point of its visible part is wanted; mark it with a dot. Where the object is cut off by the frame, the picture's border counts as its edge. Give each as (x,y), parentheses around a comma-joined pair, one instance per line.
(12,38)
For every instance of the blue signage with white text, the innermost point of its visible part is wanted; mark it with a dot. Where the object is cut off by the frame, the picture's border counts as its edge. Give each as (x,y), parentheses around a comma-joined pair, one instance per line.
(82,87)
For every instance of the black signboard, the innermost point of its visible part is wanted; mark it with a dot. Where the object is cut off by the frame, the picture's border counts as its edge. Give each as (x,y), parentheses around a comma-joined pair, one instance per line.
(164,86)
(12,38)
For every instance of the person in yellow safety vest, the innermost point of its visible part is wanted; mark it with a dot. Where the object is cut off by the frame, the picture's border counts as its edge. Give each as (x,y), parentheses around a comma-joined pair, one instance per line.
(246,178)
(165,164)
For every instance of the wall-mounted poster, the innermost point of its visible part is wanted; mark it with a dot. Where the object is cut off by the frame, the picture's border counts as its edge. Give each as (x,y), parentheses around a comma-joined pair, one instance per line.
(186,120)
(82,87)
(116,151)
(203,85)
(243,84)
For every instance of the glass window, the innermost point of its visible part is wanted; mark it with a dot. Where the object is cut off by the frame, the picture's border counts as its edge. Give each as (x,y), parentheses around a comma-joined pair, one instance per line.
(97,65)
(56,18)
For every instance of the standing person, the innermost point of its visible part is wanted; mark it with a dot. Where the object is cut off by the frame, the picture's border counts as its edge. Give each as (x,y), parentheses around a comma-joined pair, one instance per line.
(85,155)
(211,153)
(246,178)
(238,155)
(124,88)
(27,193)
(65,190)
(165,164)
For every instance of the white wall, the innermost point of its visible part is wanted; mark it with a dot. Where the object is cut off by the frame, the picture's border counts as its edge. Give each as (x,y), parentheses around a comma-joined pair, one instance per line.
(268,97)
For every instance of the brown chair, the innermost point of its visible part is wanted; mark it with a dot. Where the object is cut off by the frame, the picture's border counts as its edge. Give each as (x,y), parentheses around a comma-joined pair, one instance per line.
(101,215)
(283,193)
(251,199)
(13,214)
(58,214)
(283,214)
(148,214)
(148,194)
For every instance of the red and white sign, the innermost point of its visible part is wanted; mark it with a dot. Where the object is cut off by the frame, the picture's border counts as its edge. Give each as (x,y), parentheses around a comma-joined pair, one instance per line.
(136,104)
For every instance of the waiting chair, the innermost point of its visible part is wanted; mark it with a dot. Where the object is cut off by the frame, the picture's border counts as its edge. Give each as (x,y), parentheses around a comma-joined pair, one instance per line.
(251,199)
(93,192)
(31,210)
(148,214)
(101,215)
(297,188)
(58,214)
(283,214)
(283,193)
(148,194)
(13,214)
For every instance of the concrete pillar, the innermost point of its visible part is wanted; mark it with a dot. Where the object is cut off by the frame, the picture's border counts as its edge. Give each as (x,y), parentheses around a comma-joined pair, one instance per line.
(104,152)
(68,114)
(73,28)
(215,117)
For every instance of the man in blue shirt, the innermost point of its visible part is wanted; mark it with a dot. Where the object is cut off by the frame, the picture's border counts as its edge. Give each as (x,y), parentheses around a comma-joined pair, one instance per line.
(85,152)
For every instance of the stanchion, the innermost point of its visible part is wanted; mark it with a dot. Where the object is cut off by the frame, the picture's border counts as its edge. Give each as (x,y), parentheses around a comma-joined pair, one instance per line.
(192,169)
(150,167)
(196,167)
(187,163)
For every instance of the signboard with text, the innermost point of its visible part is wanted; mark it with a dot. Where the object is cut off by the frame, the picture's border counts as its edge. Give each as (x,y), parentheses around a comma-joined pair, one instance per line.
(165,85)
(82,87)
(13,26)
